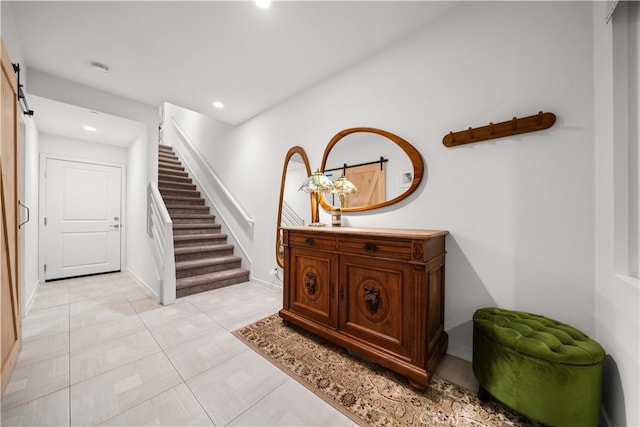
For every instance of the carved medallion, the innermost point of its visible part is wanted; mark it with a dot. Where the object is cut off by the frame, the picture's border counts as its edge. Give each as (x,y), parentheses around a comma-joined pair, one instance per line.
(310,283)
(372,299)
(418,251)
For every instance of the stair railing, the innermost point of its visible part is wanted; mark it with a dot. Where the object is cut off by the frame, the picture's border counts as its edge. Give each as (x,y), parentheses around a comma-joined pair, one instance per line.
(160,230)
(289,216)
(236,205)
(203,175)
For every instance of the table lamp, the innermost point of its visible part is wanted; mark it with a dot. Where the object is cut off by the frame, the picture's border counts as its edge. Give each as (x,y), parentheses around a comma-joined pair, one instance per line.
(317,184)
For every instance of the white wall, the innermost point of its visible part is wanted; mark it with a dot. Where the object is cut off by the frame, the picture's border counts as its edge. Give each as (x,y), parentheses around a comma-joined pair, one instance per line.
(139,260)
(520,209)
(10,37)
(81,150)
(30,229)
(617,291)
(143,151)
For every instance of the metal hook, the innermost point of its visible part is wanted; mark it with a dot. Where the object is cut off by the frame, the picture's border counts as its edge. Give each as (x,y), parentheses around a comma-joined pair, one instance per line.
(514,124)
(470,132)
(539,122)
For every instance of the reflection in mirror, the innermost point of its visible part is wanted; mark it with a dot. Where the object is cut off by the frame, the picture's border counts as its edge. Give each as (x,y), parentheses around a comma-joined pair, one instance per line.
(294,208)
(383,166)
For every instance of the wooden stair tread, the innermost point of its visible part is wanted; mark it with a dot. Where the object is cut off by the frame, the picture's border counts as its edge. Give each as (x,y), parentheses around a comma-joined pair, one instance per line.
(173,167)
(169,171)
(202,248)
(165,185)
(191,194)
(175,180)
(166,162)
(207,261)
(169,162)
(180,190)
(209,277)
(173,184)
(178,209)
(196,226)
(204,259)
(183,237)
(194,207)
(181,198)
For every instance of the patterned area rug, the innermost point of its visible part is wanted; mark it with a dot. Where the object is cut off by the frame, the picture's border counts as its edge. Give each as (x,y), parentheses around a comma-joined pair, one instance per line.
(366,392)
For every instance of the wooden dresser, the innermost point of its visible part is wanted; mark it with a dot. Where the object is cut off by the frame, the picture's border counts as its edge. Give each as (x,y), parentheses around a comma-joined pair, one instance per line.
(377,292)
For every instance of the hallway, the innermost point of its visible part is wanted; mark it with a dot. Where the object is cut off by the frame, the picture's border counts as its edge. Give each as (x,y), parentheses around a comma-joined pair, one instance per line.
(99,350)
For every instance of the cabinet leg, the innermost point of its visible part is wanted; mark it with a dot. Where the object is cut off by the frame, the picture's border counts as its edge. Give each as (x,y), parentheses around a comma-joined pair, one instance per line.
(483,395)
(416,386)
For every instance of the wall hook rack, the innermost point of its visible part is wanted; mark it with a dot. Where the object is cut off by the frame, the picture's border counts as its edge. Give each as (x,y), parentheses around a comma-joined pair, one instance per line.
(514,126)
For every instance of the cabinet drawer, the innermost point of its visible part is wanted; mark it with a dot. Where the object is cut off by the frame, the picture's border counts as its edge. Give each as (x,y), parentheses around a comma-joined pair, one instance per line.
(312,241)
(381,248)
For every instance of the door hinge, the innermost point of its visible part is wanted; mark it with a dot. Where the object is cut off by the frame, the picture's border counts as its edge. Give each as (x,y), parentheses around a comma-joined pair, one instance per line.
(45,220)
(45,268)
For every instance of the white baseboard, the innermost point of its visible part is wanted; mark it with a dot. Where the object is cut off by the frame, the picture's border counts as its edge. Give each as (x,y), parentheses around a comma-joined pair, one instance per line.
(143,283)
(277,286)
(29,301)
(462,352)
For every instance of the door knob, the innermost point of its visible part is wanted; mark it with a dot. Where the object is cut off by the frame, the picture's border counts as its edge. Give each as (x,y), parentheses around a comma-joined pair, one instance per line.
(116,225)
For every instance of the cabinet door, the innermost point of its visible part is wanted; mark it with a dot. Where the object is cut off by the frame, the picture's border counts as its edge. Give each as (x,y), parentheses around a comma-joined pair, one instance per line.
(312,281)
(376,302)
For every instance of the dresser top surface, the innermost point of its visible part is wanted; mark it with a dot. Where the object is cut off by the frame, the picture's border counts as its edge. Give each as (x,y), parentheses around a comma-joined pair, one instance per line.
(366,231)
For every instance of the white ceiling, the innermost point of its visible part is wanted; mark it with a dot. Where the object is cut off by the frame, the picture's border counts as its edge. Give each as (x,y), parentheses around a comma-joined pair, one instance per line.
(58,118)
(192,53)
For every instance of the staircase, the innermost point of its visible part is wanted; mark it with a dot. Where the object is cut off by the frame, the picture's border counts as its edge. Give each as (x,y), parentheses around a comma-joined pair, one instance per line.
(204,259)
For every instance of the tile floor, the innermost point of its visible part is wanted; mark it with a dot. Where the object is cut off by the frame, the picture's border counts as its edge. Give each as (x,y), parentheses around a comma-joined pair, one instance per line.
(99,350)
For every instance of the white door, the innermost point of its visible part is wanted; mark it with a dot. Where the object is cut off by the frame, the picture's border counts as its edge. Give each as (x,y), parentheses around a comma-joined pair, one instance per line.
(82,218)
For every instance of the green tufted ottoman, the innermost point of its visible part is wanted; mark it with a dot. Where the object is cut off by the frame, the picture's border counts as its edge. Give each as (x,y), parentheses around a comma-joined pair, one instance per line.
(546,370)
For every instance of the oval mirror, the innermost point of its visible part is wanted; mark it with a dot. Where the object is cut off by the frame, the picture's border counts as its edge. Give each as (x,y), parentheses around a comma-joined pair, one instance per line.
(384,167)
(294,208)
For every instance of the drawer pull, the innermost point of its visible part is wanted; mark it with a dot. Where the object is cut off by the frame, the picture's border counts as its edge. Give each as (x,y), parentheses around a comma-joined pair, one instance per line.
(370,247)
(309,241)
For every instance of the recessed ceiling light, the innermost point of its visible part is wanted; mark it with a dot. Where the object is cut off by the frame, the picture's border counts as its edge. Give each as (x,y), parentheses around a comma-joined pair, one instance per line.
(89,128)
(263,4)
(218,104)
